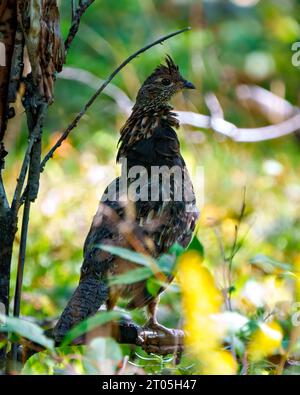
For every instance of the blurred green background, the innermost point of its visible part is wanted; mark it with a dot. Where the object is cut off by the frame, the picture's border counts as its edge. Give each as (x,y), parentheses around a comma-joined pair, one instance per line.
(231,43)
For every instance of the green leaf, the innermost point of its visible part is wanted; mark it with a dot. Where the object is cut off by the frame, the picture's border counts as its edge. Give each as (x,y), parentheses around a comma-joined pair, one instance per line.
(167,263)
(25,329)
(89,324)
(45,363)
(176,249)
(153,286)
(196,245)
(39,363)
(268,264)
(102,356)
(132,276)
(127,254)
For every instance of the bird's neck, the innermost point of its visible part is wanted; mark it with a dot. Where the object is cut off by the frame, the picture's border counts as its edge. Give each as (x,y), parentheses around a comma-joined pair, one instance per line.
(142,123)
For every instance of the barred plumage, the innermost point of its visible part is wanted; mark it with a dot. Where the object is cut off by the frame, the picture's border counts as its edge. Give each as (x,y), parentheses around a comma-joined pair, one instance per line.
(150,226)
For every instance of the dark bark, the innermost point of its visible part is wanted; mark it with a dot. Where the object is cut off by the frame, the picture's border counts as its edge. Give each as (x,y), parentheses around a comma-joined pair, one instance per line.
(7,234)
(8,26)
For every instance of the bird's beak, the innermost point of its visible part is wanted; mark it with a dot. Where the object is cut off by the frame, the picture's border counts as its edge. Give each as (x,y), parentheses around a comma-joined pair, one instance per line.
(188,85)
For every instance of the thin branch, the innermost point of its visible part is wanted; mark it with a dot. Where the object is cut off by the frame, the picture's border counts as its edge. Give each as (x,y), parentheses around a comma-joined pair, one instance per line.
(16,202)
(228,260)
(74,123)
(235,247)
(73,9)
(21,264)
(22,252)
(76,17)
(3,197)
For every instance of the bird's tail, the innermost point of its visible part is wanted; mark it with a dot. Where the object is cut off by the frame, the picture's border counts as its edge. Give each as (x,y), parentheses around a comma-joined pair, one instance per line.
(90,294)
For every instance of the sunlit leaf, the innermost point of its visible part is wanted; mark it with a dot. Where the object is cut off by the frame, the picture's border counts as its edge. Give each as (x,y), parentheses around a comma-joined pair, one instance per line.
(265,341)
(89,324)
(132,276)
(196,245)
(165,263)
(25,329)
(56,362)
(102,356)
(268,264)
(127,254)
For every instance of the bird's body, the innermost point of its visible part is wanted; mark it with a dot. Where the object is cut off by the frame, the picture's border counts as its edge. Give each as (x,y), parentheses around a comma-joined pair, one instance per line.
(151,213)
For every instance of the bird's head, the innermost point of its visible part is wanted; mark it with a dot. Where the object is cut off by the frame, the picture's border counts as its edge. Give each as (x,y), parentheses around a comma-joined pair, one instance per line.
(161,85)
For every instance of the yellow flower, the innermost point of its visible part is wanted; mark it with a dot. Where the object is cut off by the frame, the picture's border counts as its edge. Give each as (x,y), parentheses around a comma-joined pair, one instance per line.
(265,341)
(201,299)
(220,362)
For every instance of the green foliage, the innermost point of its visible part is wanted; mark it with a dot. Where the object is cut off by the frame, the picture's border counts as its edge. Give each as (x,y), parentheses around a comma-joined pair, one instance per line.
(102,355)
(268,264)
(25,329)
(89,324)
(228,45)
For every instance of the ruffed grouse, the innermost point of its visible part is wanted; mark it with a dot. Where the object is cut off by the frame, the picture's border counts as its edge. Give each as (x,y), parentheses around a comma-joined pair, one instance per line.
(151,226)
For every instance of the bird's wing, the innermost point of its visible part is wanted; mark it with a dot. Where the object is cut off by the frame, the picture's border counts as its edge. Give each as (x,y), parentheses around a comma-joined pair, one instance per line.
(166,223)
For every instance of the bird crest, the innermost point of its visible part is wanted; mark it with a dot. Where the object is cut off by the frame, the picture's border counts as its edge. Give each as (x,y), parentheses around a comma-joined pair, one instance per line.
(170,69)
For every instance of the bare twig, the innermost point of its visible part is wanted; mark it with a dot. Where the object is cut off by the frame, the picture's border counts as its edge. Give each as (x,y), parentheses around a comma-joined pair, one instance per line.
(235,247)
(228,259)
(3,197)
(74,123)
(76,17)
(22,251)
(73,8)
(34,122)
(21,263)
(225,287)
(16,202)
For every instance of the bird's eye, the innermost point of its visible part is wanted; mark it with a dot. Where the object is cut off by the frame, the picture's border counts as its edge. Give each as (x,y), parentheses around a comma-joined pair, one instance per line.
(166,81)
